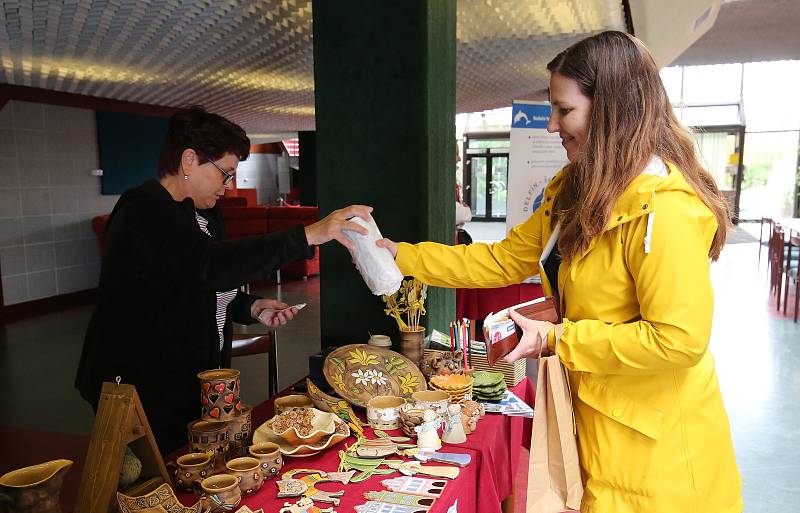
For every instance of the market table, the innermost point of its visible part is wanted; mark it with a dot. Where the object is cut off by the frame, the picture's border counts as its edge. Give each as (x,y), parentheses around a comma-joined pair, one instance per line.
(480,487)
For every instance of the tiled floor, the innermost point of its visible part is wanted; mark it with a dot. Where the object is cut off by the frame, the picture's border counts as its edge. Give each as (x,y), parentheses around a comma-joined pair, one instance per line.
(757,352)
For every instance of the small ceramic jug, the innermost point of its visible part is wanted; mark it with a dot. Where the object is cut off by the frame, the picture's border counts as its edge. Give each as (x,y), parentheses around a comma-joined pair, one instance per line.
(189,468)
(219,493)
(247,471)
(33,489)
(269,454)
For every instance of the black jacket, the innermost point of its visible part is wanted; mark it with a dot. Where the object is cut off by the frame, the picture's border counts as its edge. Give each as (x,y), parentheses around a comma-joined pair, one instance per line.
(154,323)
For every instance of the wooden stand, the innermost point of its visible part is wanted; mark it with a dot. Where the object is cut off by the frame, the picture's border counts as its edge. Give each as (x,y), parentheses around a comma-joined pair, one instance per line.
(120,422)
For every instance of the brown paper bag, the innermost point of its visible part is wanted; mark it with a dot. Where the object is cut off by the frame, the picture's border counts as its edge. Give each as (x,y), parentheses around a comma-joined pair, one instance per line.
(554,476)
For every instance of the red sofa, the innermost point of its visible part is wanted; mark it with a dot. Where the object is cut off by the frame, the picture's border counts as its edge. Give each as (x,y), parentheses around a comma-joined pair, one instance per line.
(249,221)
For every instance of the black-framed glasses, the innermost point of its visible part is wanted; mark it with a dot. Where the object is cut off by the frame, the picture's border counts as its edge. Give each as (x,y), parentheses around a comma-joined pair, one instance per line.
(228,177)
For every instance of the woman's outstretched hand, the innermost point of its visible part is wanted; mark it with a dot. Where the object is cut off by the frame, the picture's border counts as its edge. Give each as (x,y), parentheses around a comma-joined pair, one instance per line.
(388,244)
(271,312)
(534,338)
(335,223)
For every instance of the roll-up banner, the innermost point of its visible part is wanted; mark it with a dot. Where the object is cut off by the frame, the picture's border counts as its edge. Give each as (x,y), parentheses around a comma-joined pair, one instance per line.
(534,157)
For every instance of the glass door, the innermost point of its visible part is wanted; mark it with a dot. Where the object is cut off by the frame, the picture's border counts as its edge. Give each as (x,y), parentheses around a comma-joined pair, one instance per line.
(487,176)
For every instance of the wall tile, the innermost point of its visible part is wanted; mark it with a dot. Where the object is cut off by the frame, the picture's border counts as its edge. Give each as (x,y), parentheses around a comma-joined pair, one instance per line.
(81,146)
(10,205)
(37,229)
(64,200)
(61,172)
(12,260)
(39,257)
(33,173)
(73,279)
(35,202)
(65,227)
(68,119)
(15,289)
(41,284)
(90,199)
(9,173)
(68,253)
(8,145)
(85,229)
(7,116)
(28,116)
(30,145)
(10,231)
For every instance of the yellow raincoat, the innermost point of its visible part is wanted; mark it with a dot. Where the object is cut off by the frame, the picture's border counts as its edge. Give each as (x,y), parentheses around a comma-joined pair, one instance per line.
(653,434)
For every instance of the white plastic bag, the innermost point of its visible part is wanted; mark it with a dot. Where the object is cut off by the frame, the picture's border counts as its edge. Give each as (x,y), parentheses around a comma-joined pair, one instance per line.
(376,265)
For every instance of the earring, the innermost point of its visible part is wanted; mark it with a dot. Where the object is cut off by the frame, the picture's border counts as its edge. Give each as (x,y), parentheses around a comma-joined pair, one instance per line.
(185,177)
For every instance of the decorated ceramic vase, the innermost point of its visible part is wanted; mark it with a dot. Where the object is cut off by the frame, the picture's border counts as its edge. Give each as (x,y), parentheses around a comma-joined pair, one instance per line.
(240,433)
(219,394)
(210,438)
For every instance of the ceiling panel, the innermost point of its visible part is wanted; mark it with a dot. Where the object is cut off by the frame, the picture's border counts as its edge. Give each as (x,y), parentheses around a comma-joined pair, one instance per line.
(252,60)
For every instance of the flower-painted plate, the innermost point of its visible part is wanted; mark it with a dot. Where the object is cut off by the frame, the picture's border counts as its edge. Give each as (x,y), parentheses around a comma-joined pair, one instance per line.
(359,372)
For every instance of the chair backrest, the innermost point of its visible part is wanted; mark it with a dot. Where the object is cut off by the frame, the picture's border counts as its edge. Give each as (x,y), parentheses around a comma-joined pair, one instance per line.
(776,255)
(260,344)
(768,221)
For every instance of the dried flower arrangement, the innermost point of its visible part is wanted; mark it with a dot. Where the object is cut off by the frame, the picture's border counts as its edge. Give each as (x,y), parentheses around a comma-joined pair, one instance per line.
(409,300)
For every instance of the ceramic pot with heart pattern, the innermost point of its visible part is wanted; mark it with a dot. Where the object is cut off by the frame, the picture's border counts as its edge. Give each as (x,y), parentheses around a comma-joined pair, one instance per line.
(219,394)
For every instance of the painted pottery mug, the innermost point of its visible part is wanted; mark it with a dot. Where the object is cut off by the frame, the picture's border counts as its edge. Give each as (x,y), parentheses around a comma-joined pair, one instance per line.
(210,438)
(219,394)
(269,454)
(383,412)
(436,400)
(189,468)
(247,471)
(219,493)
(240,433)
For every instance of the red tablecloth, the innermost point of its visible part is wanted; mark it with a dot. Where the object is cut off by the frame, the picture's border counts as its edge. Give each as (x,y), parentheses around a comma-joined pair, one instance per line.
(480,487)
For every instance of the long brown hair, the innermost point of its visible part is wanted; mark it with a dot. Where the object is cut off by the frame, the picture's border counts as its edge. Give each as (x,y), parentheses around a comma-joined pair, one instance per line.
(631,120)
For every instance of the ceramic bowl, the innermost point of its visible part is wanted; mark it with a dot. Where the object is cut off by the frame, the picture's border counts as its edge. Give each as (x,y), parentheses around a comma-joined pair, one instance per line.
(437,400)
(292,401)
(383,412)
(322,425)
(452,382)
(264,434)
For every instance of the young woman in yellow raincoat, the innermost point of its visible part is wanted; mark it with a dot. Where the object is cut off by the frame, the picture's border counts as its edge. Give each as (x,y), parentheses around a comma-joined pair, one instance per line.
(634,220)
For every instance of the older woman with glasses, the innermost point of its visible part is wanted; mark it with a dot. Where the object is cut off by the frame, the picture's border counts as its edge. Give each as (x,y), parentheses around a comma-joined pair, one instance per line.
(169,285)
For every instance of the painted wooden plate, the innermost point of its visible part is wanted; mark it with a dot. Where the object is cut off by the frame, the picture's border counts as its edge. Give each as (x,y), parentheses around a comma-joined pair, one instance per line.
(359,372)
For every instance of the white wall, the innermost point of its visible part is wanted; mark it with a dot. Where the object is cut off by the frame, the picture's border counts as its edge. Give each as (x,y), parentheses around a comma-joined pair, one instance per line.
(47,201)
(260,172)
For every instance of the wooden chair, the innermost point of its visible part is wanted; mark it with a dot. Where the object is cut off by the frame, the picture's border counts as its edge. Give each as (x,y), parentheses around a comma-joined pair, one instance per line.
(761,242)
(791,272)
(246,345)
(776,263)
